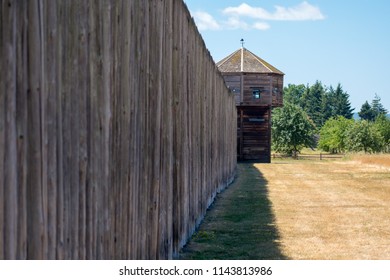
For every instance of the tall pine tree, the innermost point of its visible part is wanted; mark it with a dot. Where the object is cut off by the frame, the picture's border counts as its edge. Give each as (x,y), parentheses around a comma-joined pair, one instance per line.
(373,111)
(327,103)
(366,112)
(312,103)
(340,103)
(377,107)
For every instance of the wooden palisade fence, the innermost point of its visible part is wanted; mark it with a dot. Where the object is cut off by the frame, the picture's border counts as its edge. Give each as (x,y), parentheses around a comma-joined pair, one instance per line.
(116,129)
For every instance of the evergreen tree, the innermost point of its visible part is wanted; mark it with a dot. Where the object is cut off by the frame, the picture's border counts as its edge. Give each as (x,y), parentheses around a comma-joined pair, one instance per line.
(377,107)
(312,103)
(327,107)
(340,103)
(373,111)
(366,112)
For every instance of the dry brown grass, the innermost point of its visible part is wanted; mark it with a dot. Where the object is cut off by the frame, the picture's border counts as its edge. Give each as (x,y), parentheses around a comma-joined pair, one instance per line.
(381,160)
(331,209)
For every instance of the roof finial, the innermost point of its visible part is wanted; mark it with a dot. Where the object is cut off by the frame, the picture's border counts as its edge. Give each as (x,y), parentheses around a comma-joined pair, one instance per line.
(242,55)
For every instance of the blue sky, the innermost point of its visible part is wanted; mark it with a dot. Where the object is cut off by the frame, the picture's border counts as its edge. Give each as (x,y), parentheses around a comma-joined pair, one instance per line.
(344,41)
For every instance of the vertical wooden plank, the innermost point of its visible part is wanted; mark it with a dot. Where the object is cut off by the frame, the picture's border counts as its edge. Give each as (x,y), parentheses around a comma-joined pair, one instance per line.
(105,114)
(21,115)
(133,136)
(123,87)
(9,126)
(205,124)
(176,82)
(110,192)
(194,136)
(125,81)
(83,89)
(3,23)
(96,56)
(69,132)
(74,129)
(93,134)
(154,111)
(59,88)
(50,125)
(60,100)
(65,131)
(43,120)
(185,180)
(117,185)
(35,192)
(166,190)
(114,96)
(145,139)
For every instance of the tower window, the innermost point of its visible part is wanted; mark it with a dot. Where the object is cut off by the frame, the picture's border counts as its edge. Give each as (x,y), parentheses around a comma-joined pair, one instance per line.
(256,93)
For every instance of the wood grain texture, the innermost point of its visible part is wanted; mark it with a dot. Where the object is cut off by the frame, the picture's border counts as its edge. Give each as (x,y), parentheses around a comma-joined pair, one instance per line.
(116,129)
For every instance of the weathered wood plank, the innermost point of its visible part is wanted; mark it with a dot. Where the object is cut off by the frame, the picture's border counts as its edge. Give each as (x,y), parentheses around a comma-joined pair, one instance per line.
(3,53)
(37,239)
(10,153)
(21,120)
(59,141)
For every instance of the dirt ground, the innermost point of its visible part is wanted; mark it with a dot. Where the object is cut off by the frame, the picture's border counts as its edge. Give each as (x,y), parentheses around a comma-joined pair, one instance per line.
(331,209)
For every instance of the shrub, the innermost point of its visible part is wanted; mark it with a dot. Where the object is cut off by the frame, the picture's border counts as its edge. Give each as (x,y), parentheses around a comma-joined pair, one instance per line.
(333,135)
(364,136)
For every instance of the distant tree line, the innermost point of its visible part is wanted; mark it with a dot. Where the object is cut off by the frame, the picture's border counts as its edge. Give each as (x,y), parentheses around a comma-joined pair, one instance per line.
(320,116)
(319,102)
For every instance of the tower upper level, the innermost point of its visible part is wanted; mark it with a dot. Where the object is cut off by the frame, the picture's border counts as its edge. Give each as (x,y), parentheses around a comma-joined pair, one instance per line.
(254,81)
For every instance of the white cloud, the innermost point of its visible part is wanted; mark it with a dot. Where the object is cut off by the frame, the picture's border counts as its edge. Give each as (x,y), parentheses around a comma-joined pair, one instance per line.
(246,10)
(236,23)
(261,26)
(303,11)
(247,17)
(205,21)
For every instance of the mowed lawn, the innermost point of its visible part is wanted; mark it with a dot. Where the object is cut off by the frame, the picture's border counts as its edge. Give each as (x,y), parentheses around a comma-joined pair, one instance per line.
(331,209)
(315,210)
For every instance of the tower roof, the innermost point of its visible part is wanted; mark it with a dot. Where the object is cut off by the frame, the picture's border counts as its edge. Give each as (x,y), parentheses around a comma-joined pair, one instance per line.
(243,60)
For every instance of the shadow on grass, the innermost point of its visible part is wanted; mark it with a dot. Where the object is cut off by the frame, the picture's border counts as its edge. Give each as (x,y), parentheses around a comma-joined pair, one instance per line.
(240,224)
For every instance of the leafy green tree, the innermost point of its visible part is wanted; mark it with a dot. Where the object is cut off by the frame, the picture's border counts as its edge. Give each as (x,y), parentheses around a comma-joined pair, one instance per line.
(366,112)
(382,124)
(293,94)
(291,129)
(333,134)
(364,136)
(341,106)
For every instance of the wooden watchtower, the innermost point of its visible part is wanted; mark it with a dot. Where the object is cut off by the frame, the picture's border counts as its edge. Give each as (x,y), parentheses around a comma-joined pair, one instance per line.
(258,87)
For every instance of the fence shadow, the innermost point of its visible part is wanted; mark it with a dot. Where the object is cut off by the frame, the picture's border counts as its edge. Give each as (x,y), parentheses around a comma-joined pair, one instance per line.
(240,224)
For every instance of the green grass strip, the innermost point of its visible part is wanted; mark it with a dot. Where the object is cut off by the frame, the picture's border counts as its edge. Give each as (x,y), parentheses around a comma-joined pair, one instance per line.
(240,223)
